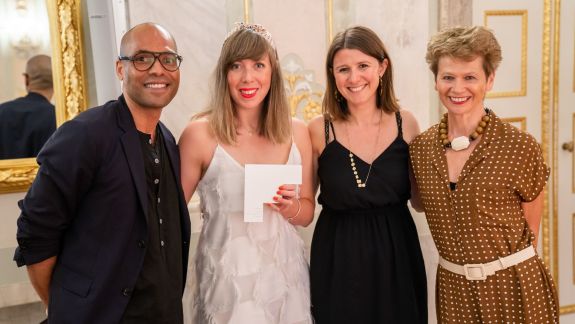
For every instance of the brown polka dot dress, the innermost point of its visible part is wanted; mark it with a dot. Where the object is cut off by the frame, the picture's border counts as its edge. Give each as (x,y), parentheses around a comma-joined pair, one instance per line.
(482,220)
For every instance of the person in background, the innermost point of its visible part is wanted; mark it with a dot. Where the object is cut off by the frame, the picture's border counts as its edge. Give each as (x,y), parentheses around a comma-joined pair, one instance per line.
(247,272)
(104,228)
(366,262)
(27,122)
(481,182)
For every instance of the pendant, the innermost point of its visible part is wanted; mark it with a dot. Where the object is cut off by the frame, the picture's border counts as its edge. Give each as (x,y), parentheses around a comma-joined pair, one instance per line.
(460,143)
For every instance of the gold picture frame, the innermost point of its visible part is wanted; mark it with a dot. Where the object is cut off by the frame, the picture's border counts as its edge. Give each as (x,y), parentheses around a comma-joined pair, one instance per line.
(66,40)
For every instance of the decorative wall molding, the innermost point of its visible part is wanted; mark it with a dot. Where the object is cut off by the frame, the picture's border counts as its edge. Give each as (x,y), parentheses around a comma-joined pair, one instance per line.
(247,17)
(523,59)
(514,120)
(545,141)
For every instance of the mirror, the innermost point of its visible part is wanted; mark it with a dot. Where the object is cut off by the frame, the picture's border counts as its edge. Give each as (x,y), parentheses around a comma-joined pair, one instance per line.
(69,83)
(27,118)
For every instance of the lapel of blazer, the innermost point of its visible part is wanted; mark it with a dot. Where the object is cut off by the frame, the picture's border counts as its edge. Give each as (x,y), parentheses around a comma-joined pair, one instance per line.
(133,151)
(438,159)
(492,133)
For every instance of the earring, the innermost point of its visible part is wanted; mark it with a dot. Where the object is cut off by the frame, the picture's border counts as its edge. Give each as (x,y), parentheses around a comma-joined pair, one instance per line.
(381,85)
(336,94)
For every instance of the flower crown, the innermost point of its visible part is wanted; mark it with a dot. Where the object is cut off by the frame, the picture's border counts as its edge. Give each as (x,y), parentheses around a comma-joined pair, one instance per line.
(256,28)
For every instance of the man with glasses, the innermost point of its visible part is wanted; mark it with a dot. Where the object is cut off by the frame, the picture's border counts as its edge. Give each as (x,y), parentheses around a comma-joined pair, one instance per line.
(104,228)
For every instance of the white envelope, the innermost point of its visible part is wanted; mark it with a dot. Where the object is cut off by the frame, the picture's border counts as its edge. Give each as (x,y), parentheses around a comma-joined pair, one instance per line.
(261,184)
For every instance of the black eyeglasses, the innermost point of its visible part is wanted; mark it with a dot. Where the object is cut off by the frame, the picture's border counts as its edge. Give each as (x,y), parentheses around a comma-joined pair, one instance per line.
(143,61)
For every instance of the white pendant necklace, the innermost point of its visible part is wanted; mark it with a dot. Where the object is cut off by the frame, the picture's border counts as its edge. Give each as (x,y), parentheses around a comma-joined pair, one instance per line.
(462,142)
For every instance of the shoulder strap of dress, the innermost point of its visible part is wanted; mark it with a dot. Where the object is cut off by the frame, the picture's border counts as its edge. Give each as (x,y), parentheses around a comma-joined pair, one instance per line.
(327,125)
(399,123)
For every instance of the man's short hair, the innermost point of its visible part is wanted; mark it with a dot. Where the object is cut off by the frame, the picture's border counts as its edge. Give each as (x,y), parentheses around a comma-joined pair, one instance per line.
(39,71)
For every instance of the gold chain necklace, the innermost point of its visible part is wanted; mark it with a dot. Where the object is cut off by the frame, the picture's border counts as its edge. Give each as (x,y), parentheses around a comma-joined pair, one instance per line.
(362,184)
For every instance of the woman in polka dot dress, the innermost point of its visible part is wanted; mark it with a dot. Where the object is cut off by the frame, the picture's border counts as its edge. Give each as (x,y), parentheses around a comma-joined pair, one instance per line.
(481,183)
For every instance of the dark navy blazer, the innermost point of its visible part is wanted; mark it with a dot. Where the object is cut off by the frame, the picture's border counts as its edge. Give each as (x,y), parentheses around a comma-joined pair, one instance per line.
(88,207)
(25,125)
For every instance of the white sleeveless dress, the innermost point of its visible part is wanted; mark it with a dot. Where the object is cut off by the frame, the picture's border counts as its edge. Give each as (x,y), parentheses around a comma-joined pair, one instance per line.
(245,273)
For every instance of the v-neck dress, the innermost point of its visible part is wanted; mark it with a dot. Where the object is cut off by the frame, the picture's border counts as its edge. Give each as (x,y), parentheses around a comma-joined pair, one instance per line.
(244,272)
(366,263)
(481,220)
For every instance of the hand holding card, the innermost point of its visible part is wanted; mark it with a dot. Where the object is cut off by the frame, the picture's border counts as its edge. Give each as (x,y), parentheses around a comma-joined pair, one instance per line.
(261,183)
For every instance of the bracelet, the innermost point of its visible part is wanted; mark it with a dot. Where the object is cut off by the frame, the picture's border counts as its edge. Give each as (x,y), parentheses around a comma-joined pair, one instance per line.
(289,219)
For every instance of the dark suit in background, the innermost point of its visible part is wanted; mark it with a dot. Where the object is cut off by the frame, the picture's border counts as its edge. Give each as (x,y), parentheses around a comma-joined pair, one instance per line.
(25,125)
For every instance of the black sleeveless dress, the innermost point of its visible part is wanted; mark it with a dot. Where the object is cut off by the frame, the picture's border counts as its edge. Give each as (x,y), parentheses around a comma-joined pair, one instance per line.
(366,263)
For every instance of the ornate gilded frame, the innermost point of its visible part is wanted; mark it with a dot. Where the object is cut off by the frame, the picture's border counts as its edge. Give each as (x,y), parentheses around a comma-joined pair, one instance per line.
(69,84)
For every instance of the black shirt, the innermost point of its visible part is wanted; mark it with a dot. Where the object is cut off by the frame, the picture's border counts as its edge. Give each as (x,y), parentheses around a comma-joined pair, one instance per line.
(452,185)
(157,296)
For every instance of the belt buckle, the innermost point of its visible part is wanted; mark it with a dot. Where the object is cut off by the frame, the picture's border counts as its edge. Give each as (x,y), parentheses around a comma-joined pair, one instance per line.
(469,276)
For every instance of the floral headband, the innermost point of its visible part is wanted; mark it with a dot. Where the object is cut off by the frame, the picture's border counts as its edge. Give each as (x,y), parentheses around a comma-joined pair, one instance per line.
(256,28)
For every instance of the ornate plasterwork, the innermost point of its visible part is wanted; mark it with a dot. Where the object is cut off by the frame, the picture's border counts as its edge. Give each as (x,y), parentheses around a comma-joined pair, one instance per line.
(304,93)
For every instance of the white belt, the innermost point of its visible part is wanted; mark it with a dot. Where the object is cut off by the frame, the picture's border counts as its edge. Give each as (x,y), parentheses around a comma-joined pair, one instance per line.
(480,271)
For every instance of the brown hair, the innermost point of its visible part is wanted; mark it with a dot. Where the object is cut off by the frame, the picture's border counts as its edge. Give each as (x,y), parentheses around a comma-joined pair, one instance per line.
(275,121)
(465,43)
(365,40)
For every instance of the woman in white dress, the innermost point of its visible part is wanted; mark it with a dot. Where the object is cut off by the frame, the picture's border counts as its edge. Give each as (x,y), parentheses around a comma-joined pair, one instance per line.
(247,272)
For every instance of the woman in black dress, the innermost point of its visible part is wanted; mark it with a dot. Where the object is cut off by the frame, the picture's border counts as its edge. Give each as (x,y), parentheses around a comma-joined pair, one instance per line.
(366,263)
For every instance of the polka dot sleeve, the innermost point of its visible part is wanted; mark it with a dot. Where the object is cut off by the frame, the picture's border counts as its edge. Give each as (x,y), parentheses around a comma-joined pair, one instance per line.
(533,174)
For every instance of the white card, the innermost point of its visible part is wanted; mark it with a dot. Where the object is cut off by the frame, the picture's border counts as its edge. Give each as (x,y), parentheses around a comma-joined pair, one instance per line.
(261,184)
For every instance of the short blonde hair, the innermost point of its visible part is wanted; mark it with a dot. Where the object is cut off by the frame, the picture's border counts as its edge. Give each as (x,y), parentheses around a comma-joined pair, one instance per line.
(275,120)
(365,40)
(465,43)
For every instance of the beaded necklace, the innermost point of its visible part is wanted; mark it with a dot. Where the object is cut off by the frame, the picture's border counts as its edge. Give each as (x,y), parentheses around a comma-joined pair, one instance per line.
(462,142)
(362,184)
